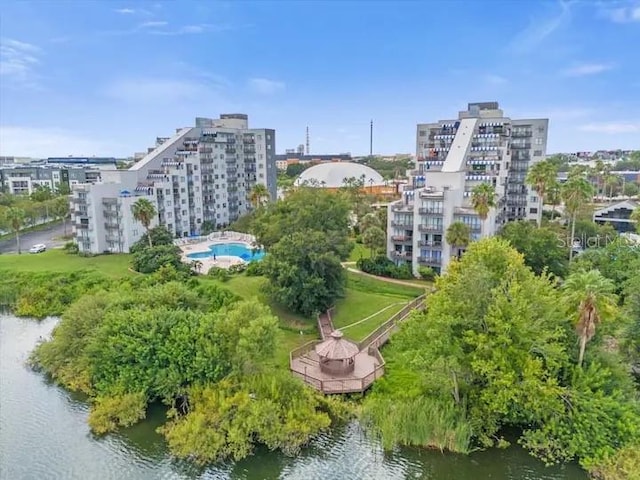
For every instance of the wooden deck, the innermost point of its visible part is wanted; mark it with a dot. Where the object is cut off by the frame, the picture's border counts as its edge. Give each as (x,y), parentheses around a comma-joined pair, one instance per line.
(369,363)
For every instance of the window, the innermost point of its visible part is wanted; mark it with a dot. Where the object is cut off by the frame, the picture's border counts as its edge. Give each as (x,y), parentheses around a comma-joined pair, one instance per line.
(184,212)
(423,133)
(168,203)
(538,141)
(269,147)
(195,167)
(169,214)
(182,179)
(534,199)
(533,210)
(537,153)
(268,137)
(540,129)
(167,191)
(184,201)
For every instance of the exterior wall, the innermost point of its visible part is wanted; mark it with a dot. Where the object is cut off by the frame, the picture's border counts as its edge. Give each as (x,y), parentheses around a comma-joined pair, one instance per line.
(201,174)
(454,156)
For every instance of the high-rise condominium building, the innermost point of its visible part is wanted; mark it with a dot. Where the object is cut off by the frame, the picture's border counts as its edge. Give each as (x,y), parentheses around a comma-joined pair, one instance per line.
(454,156)
(201,174)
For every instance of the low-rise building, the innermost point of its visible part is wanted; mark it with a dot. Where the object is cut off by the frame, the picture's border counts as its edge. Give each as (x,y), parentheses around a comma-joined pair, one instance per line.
(618,215)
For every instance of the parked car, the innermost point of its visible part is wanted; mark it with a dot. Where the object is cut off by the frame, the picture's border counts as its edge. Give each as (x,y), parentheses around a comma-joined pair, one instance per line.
(38,248)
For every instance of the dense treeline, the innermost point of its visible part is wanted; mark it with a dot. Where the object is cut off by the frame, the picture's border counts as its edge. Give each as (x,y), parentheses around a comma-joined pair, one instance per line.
(500,347)
(175,339)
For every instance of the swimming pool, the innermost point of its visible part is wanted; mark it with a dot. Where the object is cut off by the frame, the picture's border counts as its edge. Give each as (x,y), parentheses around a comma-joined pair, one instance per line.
(241,250)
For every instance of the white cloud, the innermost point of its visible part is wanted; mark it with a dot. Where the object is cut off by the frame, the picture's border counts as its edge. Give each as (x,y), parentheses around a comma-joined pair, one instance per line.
(625,14)
(612,128)
(125,11)
(18,60)
(495,79)
(153,24)
(155,90)
(585,69)
(264,86)
(539,29)
(47,142)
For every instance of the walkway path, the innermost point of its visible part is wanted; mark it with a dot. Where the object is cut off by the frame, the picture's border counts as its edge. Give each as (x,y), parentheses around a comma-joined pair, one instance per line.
(325,325)
(384,279)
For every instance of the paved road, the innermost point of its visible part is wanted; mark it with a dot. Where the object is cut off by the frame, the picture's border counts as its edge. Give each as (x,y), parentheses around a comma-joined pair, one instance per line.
(27,240)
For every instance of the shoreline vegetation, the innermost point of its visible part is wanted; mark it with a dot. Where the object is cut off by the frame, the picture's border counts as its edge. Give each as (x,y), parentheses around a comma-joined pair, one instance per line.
(499,348)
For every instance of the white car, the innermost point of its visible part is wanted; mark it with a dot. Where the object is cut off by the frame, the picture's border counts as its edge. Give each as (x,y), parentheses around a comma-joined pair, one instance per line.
(38,248)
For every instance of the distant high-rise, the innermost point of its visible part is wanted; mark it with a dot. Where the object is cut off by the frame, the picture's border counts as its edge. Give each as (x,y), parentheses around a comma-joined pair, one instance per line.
(201,174)
(453,156)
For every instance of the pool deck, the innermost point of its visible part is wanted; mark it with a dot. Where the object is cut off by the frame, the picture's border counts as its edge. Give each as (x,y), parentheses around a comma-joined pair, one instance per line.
(221,261)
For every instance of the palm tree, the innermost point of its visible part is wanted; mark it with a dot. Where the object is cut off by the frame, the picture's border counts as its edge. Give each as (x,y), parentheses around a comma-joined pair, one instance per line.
(635,217)
(541,176)
(14,218)
(458,236)
(611,181)
(259,194)
(575,192)
(598,171)
(483,199)
(590,298)
(144,211)
(553,196)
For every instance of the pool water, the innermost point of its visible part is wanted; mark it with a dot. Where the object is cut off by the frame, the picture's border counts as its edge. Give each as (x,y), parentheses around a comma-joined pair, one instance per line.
(241,250)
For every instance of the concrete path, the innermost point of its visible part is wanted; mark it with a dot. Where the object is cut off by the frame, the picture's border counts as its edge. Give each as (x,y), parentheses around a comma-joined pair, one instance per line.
(384,279)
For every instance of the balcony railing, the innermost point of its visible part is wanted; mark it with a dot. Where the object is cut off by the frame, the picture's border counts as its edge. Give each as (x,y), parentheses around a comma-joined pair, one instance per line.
(430,228)
(402,225)
(402,208)
(525,146)
(425,243)
(430,260)
(401,238)
(403,255)
(432,211)
(521,133)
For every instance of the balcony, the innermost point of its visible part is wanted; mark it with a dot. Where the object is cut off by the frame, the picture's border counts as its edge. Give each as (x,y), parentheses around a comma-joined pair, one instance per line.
(430,228)
(431,261)
(403,255)
(402,238)
(521,133)
(229,150)
(408,226)
(425,243)
(431,211)
(521,146)
(402,208)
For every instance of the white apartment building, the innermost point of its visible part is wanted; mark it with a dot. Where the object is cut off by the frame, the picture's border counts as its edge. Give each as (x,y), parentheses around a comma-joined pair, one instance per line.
(454,156)
(201,174)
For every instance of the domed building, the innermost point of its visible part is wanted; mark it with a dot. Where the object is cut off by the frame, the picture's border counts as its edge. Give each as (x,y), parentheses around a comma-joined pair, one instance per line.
(332,175)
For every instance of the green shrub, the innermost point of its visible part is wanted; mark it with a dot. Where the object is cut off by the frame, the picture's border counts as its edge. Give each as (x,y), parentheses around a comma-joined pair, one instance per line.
(383,267)
(150,259)
(219,273)
(255,269)
(237,268)
(71,248)
(426,273)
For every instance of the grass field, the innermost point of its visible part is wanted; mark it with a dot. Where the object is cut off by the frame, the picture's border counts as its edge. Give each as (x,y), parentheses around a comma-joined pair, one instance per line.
(59,261)
(364,296)
(359,251)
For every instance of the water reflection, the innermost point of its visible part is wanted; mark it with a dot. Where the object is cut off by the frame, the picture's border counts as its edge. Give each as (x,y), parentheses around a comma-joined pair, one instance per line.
(44,435)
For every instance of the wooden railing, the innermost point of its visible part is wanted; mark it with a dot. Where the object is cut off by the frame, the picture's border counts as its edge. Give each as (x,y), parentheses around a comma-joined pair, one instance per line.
(380,335)
(313,376)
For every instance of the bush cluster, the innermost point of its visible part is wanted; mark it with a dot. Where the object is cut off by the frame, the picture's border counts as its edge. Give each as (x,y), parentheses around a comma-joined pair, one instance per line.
(383,267)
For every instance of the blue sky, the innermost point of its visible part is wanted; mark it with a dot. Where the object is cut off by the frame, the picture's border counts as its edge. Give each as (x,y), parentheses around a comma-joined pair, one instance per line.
(107,77)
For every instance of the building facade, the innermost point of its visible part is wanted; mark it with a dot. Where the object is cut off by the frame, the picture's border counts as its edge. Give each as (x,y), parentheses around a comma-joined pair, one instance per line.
(453,157)
(25,179)
(201,174)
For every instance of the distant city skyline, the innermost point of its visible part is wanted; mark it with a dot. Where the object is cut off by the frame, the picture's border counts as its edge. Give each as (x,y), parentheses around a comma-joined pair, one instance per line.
(108,77)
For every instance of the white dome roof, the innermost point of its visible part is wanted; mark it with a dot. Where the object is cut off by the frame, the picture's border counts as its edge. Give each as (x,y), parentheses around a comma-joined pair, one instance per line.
(332,175)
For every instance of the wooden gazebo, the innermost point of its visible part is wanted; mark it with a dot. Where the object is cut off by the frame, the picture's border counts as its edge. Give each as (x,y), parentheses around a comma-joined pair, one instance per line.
(336,354)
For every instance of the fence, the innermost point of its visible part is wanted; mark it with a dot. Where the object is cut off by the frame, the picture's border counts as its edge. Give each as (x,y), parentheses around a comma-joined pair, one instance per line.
(380,335)
(216,236)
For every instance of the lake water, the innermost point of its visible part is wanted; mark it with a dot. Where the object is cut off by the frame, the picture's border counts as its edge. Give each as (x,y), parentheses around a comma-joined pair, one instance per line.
(44,435)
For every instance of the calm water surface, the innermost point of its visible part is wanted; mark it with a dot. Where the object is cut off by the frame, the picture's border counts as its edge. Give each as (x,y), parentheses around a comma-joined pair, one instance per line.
(43,435)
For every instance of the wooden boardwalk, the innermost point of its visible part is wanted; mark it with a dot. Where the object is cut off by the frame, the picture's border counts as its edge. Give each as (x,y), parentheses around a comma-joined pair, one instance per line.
(369,363)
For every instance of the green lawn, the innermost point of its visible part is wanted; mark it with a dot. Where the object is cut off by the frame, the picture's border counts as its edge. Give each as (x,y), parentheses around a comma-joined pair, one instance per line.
(365,297)
(59,261)
(359,251)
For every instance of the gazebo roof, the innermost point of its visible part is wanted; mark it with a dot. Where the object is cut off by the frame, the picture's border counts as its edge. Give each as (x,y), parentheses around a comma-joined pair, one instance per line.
(336,347)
